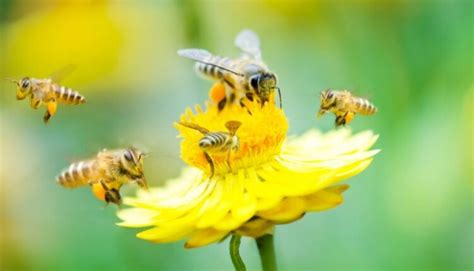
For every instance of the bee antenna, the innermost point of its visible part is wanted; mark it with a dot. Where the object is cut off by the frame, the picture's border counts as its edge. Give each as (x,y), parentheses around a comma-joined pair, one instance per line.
(11,80)
(279,96)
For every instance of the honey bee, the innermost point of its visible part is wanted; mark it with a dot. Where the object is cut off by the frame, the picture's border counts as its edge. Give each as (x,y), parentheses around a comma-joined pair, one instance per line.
(106,173)
(47,92)
(344,105)
(217,142)
(244,77)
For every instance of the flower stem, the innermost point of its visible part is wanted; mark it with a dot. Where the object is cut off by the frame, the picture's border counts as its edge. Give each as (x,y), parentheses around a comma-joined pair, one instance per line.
(266,249)
(234,253)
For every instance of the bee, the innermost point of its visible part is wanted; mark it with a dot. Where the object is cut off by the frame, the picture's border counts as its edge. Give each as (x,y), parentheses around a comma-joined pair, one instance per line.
(217,142)
(344,105)
(246,77)
(106,173)
(47,92)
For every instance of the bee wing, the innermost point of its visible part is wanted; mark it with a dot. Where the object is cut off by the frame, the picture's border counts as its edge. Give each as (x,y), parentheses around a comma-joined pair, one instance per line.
(194,126)
(203,56)
(249,43)
(232,126)
(62,72)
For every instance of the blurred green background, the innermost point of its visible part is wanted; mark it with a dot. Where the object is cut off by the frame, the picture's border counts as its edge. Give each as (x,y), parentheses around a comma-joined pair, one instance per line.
(411,210)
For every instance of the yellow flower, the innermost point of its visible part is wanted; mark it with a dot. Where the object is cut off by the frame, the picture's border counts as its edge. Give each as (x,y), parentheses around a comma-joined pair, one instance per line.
(272,180)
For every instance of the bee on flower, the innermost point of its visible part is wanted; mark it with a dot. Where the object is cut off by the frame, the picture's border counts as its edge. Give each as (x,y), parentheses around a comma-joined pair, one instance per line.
(217,142)
(243,78)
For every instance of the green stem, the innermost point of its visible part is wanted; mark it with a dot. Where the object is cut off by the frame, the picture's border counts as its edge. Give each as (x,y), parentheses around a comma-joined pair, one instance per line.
(234,253)
(266,249)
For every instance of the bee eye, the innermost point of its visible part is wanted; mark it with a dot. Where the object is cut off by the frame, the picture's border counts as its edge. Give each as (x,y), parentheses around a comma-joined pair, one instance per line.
(330,95)
(254,82)
(25,83)
(128,156)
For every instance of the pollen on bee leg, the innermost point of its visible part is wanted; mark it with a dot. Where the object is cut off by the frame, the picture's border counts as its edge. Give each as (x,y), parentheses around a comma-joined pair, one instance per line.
(52,106)
(217,92)
(348,117)
(98,191)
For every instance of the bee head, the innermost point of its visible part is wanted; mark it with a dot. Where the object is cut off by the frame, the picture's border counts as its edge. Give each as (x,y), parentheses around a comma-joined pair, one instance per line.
(132,162)
(24,86)
(327,98)
(264,84)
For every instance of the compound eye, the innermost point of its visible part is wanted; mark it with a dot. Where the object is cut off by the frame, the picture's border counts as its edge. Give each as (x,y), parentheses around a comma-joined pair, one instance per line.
(25,83)
(128,156)
(254,82)
(330,95)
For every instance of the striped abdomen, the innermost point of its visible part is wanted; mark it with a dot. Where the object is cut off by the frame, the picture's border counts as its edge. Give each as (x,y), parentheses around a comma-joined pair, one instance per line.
(67,95)
(212,71)
(363,106)
(77,174)
(216,142)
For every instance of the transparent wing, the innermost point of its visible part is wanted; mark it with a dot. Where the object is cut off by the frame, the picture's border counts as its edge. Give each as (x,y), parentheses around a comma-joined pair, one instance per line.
(204,56)
(232,126)
(249,43)
(199,55)
(194,126)
(61,73)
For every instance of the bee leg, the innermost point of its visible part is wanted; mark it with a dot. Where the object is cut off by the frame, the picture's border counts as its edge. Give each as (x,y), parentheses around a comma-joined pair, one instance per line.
(242,103)
(221,104)
(211,163)
(348,117)
(52,106)
(340,120)
(228,161)
(35,102)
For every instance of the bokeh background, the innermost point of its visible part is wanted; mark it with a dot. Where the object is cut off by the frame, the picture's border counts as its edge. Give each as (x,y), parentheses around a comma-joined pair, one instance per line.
(411,210)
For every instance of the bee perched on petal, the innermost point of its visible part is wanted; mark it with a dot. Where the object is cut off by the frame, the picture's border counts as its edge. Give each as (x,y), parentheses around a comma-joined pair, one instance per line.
(106,173)
(344,105)
(244,78)
(217,142)
(46,92)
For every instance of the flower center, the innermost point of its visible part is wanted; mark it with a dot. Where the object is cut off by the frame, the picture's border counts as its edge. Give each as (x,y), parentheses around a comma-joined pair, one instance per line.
(260,135)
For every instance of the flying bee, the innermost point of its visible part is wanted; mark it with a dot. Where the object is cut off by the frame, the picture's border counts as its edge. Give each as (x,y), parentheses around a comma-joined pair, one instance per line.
(47,92)
(344,105)
(106,173)
(217,142)
(244,77)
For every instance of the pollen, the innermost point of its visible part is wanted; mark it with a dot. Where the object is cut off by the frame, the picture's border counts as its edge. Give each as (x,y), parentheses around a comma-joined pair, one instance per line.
(261,135)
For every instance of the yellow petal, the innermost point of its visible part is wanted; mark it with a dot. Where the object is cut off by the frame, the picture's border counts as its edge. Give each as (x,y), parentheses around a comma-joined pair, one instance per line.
(204,237)
(288,210)
(325,199)
(256,228)
(166,234)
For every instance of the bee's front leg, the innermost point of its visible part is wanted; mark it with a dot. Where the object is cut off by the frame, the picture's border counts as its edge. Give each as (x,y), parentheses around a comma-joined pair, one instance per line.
(35,102)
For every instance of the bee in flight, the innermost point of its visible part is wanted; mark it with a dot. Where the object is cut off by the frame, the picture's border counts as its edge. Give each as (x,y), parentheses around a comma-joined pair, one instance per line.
(47,92)
(106,173)
(243,78)
(217,142)
(344,105)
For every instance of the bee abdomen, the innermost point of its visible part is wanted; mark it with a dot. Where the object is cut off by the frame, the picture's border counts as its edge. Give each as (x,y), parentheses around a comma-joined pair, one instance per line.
(213,71)
(68,96)
(364,107)
(213,142)
(77,174)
